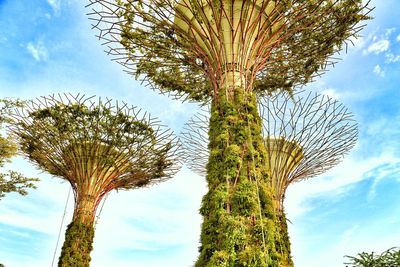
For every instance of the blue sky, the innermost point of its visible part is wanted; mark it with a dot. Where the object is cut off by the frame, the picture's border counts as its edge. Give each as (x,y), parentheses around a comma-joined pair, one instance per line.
(48,47)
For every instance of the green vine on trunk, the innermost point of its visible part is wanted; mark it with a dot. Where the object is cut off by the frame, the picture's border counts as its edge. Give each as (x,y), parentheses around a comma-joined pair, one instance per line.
(239,218)
(77,246)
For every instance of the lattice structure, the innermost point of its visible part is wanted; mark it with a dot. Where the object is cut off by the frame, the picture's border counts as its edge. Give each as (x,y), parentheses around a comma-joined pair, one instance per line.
(304,137)
(193,48)
(96,146)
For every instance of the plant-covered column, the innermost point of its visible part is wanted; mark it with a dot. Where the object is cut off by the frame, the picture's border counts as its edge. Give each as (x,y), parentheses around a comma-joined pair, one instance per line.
(283,240)
(238,227)
(77,245)
(97,147)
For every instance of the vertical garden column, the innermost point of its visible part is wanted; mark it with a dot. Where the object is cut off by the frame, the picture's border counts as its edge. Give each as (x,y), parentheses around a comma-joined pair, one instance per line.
(79,235)
(238,227)
(283,242)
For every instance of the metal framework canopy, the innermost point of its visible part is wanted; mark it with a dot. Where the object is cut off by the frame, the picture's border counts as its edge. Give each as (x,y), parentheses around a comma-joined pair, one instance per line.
(191,48)
(97,146)
(304,137)
(322,127)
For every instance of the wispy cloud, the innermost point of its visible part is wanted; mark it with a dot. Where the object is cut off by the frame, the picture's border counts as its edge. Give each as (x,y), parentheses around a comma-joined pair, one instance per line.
(37,50)
(382,44)
(378,47)
(331,93)
(378,71)
(348,234)
(392,58)
(55,5)
(335,182)
(389,31)
(381,173)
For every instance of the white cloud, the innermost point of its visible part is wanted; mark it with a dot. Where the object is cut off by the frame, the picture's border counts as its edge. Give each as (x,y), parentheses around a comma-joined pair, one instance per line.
(398,38)
(38,51)
(348,234)
(392,58)
(357,42)
(379,47)
(333,184)
(378,71)
(332,93)
(55,4)
(389,31)
(380,174)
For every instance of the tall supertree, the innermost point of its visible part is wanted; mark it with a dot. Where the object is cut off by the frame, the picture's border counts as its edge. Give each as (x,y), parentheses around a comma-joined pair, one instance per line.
(96,146)
(228,52)
(304,137)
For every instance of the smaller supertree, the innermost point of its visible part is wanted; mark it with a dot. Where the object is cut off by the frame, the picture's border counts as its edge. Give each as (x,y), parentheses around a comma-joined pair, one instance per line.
(303,136)
(96,147)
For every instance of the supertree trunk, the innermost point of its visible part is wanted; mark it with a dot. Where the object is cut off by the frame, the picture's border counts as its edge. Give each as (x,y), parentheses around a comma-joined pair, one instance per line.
(79,235)
(238,227)
(77,245)
(283,243)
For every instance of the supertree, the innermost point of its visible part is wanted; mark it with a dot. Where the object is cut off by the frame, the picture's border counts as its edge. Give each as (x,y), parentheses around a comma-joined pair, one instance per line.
(96,146)
(304,137)
(227,53)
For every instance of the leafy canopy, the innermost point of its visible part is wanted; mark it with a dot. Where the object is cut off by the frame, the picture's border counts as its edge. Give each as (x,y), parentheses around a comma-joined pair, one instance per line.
(388,258)
(10,181)
(183,47)
(110,140)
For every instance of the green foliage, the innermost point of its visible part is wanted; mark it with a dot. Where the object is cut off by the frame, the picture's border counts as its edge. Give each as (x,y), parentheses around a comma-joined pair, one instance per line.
(389,258)
(15,182)
(77,246)
(283,241)
(296,47)
(157,46)
(55,136)
(239,219)
(11,181)
(320,32)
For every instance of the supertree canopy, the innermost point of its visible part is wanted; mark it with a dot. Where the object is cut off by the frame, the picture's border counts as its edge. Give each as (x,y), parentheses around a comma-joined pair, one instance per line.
(307,137)
(195,47)
(303,136)
(96,146)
